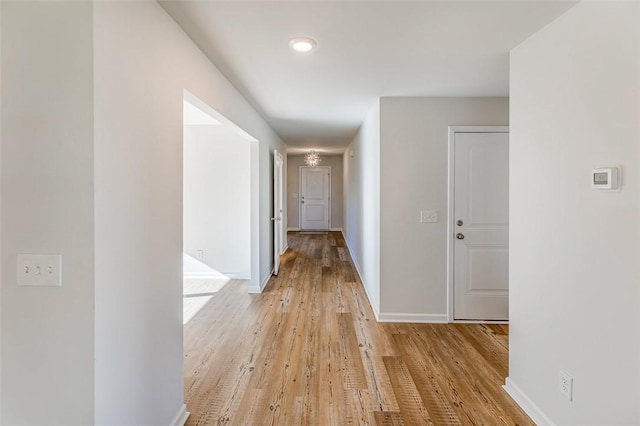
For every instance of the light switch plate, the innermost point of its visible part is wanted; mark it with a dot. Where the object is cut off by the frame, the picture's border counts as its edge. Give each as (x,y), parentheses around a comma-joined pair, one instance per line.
(428,216)
(39,270)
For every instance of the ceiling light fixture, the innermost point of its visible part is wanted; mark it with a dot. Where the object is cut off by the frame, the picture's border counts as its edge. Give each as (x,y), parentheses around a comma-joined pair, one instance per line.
(312,159)
(302,44)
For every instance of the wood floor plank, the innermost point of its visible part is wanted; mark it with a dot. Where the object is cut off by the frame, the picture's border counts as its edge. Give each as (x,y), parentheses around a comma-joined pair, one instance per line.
(350,358)
(358,405)
(328,279)
(411,407)
(473,383)
(308,351)
(331,405)
(381,389)
(480,339)
(388,418)
(432,394)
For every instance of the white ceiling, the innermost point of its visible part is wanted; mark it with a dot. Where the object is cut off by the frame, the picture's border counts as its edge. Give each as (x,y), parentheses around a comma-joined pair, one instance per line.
(366,50)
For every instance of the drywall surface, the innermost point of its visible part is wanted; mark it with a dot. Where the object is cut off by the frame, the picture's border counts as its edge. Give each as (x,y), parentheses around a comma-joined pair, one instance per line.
(413,177)
(143,64)
(217,208)
(362,203)
(47,207)
(294,162)
(574,265)
(0,214)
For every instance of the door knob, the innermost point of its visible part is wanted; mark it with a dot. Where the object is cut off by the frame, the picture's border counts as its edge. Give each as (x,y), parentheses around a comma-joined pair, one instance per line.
(460,236)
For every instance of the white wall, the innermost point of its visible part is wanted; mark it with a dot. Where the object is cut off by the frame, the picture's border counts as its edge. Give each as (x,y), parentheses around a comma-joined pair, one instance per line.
(0,215)
(293,189)
(143,61)
(575,252)
(413,177)
(217,205)
(362,203)
(47,207)
(92,169)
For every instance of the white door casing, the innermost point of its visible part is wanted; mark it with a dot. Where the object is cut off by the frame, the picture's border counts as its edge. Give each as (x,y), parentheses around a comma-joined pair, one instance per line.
(479,223)
(278,225)
(315,198)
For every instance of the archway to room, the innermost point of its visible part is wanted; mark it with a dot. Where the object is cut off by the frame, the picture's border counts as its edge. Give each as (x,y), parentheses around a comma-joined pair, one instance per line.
(220,198)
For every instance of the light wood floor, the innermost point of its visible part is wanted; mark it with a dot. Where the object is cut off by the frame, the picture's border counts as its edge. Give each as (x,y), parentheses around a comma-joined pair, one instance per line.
(308,351)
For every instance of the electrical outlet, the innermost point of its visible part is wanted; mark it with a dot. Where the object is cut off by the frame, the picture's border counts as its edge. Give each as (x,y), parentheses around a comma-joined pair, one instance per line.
(39,270)
(565,385)
(200,254)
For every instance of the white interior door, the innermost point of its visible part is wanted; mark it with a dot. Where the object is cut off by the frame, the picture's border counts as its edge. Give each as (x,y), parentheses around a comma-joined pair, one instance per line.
(480,236)
(315,191)
(278,168)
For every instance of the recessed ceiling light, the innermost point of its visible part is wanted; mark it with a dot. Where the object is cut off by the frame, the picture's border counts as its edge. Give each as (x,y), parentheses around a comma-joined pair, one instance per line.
(302,44)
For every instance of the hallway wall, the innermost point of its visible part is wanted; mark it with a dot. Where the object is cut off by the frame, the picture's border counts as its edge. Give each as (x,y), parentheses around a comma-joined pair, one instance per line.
(575,251)
(47,207)
(362,203)
(413,177)
(144,62)
(92,168)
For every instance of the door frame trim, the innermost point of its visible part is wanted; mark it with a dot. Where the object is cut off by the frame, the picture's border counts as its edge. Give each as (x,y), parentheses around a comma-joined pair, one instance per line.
(278,209)
(450,206)
(300,194)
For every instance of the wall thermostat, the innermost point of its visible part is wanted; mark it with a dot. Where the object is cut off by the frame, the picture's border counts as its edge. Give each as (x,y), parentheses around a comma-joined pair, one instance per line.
(605,178)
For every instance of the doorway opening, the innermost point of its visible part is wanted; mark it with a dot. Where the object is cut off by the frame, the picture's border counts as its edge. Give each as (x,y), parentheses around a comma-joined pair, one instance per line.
(220,204)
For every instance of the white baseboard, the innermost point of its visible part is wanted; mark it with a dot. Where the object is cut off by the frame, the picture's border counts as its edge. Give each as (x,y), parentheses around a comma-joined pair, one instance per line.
(263,284)
(527,405)
(295,229)
(238,276)
(421,318)
(357,267)
(203,275)
(181,418)
(376,314)
(209,275)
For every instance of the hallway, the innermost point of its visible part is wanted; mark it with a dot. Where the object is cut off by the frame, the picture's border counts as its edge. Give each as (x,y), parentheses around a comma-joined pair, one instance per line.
(308,351)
